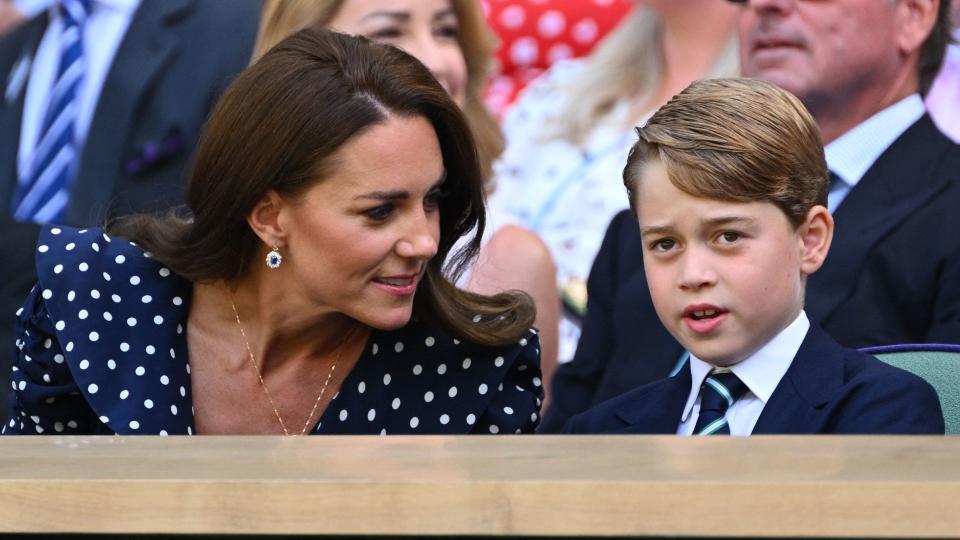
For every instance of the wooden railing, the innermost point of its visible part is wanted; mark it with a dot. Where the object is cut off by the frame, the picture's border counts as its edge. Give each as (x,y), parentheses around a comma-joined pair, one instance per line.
(513,485)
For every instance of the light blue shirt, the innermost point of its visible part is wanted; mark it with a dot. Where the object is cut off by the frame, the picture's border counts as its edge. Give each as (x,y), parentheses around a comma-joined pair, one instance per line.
(761,372)
(31,8)
(105,28)
(852,155)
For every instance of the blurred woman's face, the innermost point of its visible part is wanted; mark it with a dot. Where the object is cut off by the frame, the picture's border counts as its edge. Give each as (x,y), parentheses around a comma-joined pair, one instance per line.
(426,29)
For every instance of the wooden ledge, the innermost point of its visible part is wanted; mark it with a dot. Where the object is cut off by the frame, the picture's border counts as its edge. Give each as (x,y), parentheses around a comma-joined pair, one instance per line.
(881,487)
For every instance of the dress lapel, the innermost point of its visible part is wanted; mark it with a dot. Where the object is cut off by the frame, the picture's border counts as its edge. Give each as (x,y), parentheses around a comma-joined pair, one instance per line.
(131,365)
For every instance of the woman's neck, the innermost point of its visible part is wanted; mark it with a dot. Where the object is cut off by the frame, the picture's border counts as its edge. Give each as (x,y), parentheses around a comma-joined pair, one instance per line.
(279,326)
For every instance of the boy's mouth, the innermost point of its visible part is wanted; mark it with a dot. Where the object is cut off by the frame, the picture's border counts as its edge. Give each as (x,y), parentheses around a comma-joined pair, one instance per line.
(706,314)
(701,312)
(704,319)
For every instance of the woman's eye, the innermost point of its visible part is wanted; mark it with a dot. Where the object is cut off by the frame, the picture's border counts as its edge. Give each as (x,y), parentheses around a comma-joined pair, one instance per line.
(448,31)
(385,34)
(379,213)
(432,200)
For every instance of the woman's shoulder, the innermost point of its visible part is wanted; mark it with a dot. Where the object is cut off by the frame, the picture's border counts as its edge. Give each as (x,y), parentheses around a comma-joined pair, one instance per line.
(90,261)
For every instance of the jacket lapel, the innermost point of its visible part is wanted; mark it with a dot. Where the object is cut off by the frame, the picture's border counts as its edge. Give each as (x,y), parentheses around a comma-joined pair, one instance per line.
(16,58)
(663,403)
(892,189)
(814,377)
(147,46)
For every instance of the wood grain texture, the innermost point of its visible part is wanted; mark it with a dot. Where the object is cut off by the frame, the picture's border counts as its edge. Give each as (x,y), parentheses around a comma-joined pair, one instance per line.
(541,485)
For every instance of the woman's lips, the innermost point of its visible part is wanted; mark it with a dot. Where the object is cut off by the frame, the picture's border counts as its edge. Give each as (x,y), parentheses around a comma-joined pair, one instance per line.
(399,285)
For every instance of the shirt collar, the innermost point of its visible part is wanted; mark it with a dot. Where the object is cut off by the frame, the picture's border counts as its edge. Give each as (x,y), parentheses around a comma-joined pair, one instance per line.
(762,370)
(852,155)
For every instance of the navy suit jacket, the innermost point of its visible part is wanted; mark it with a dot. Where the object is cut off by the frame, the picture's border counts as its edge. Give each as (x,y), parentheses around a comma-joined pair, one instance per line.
(174,61)
(827,389)
(892,276)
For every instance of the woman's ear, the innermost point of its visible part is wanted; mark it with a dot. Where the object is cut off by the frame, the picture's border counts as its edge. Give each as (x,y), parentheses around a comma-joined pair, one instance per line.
(816,235)
(265,222)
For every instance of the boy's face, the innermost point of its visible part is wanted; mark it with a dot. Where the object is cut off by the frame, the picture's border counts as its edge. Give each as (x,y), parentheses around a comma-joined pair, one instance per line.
(725,277)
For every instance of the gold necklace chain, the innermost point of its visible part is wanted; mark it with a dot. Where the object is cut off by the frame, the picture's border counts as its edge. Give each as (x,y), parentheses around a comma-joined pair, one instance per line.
(266,391)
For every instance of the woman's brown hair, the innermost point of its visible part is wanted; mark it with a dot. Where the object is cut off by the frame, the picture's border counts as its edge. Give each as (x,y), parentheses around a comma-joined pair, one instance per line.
(279,126)
(281,18)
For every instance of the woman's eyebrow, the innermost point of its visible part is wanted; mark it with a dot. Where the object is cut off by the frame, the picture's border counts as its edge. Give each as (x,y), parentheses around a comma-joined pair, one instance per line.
(396,15)
(398,194)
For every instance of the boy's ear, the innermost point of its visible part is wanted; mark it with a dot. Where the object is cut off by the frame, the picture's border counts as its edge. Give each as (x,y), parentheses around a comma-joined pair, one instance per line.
(265,221)
(815,235)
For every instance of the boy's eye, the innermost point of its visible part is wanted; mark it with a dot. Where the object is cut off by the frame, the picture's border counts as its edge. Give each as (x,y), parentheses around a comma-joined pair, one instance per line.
(729,237)
(664,244)
(379,213)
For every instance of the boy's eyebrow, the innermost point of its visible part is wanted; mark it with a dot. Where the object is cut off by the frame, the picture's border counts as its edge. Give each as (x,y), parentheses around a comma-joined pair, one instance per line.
(730,220)
(662,229)
(398,194)
(711,222)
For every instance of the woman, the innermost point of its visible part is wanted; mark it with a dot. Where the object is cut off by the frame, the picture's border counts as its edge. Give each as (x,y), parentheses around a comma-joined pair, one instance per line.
(306,291)
(569,133)
(451,38)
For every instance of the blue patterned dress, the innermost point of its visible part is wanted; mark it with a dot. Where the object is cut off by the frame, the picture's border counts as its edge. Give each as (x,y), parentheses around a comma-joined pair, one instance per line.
(101,349)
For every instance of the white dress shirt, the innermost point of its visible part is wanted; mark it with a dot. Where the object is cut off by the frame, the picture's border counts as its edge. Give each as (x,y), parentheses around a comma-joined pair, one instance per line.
(761,372)
(32,8)
(853,153)
(103,33)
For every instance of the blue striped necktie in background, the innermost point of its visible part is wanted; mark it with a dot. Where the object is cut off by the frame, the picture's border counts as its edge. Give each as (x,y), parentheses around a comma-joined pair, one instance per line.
(41,195)
(717,394)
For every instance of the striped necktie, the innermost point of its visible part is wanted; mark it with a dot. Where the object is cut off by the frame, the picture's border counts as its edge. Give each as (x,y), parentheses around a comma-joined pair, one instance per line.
(41,195)
(717,394)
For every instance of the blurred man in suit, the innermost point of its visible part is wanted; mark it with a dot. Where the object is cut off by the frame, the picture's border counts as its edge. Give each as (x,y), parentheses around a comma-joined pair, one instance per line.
(103,102)
(893,273)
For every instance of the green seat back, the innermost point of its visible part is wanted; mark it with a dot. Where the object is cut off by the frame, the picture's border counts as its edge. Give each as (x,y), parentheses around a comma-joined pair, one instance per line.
(939,368)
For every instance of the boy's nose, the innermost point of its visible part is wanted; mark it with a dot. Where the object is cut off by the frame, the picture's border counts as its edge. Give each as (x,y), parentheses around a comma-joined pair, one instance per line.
(696,272)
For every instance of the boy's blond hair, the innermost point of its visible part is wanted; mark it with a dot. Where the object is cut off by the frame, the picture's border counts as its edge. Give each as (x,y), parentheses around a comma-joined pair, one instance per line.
(739,140)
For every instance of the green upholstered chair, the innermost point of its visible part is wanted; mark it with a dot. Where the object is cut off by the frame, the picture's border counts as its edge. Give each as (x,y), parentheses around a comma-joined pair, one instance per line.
(939,365)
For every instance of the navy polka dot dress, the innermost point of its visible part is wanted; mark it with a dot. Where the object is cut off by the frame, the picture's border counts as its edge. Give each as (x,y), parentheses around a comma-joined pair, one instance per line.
(101,349)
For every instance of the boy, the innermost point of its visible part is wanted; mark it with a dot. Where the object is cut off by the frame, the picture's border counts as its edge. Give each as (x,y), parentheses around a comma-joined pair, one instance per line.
(729,184)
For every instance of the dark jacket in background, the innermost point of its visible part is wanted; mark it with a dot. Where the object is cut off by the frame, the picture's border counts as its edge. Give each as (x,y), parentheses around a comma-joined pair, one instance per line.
(174,61)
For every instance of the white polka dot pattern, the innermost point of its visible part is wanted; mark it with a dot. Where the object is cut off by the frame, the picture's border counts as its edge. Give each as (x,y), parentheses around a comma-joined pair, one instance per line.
(534,34)
(116,377)
(84,314)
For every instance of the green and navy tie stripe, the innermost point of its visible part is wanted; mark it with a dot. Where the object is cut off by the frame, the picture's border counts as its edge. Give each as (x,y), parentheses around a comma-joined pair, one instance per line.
(717,394)
(41,194)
